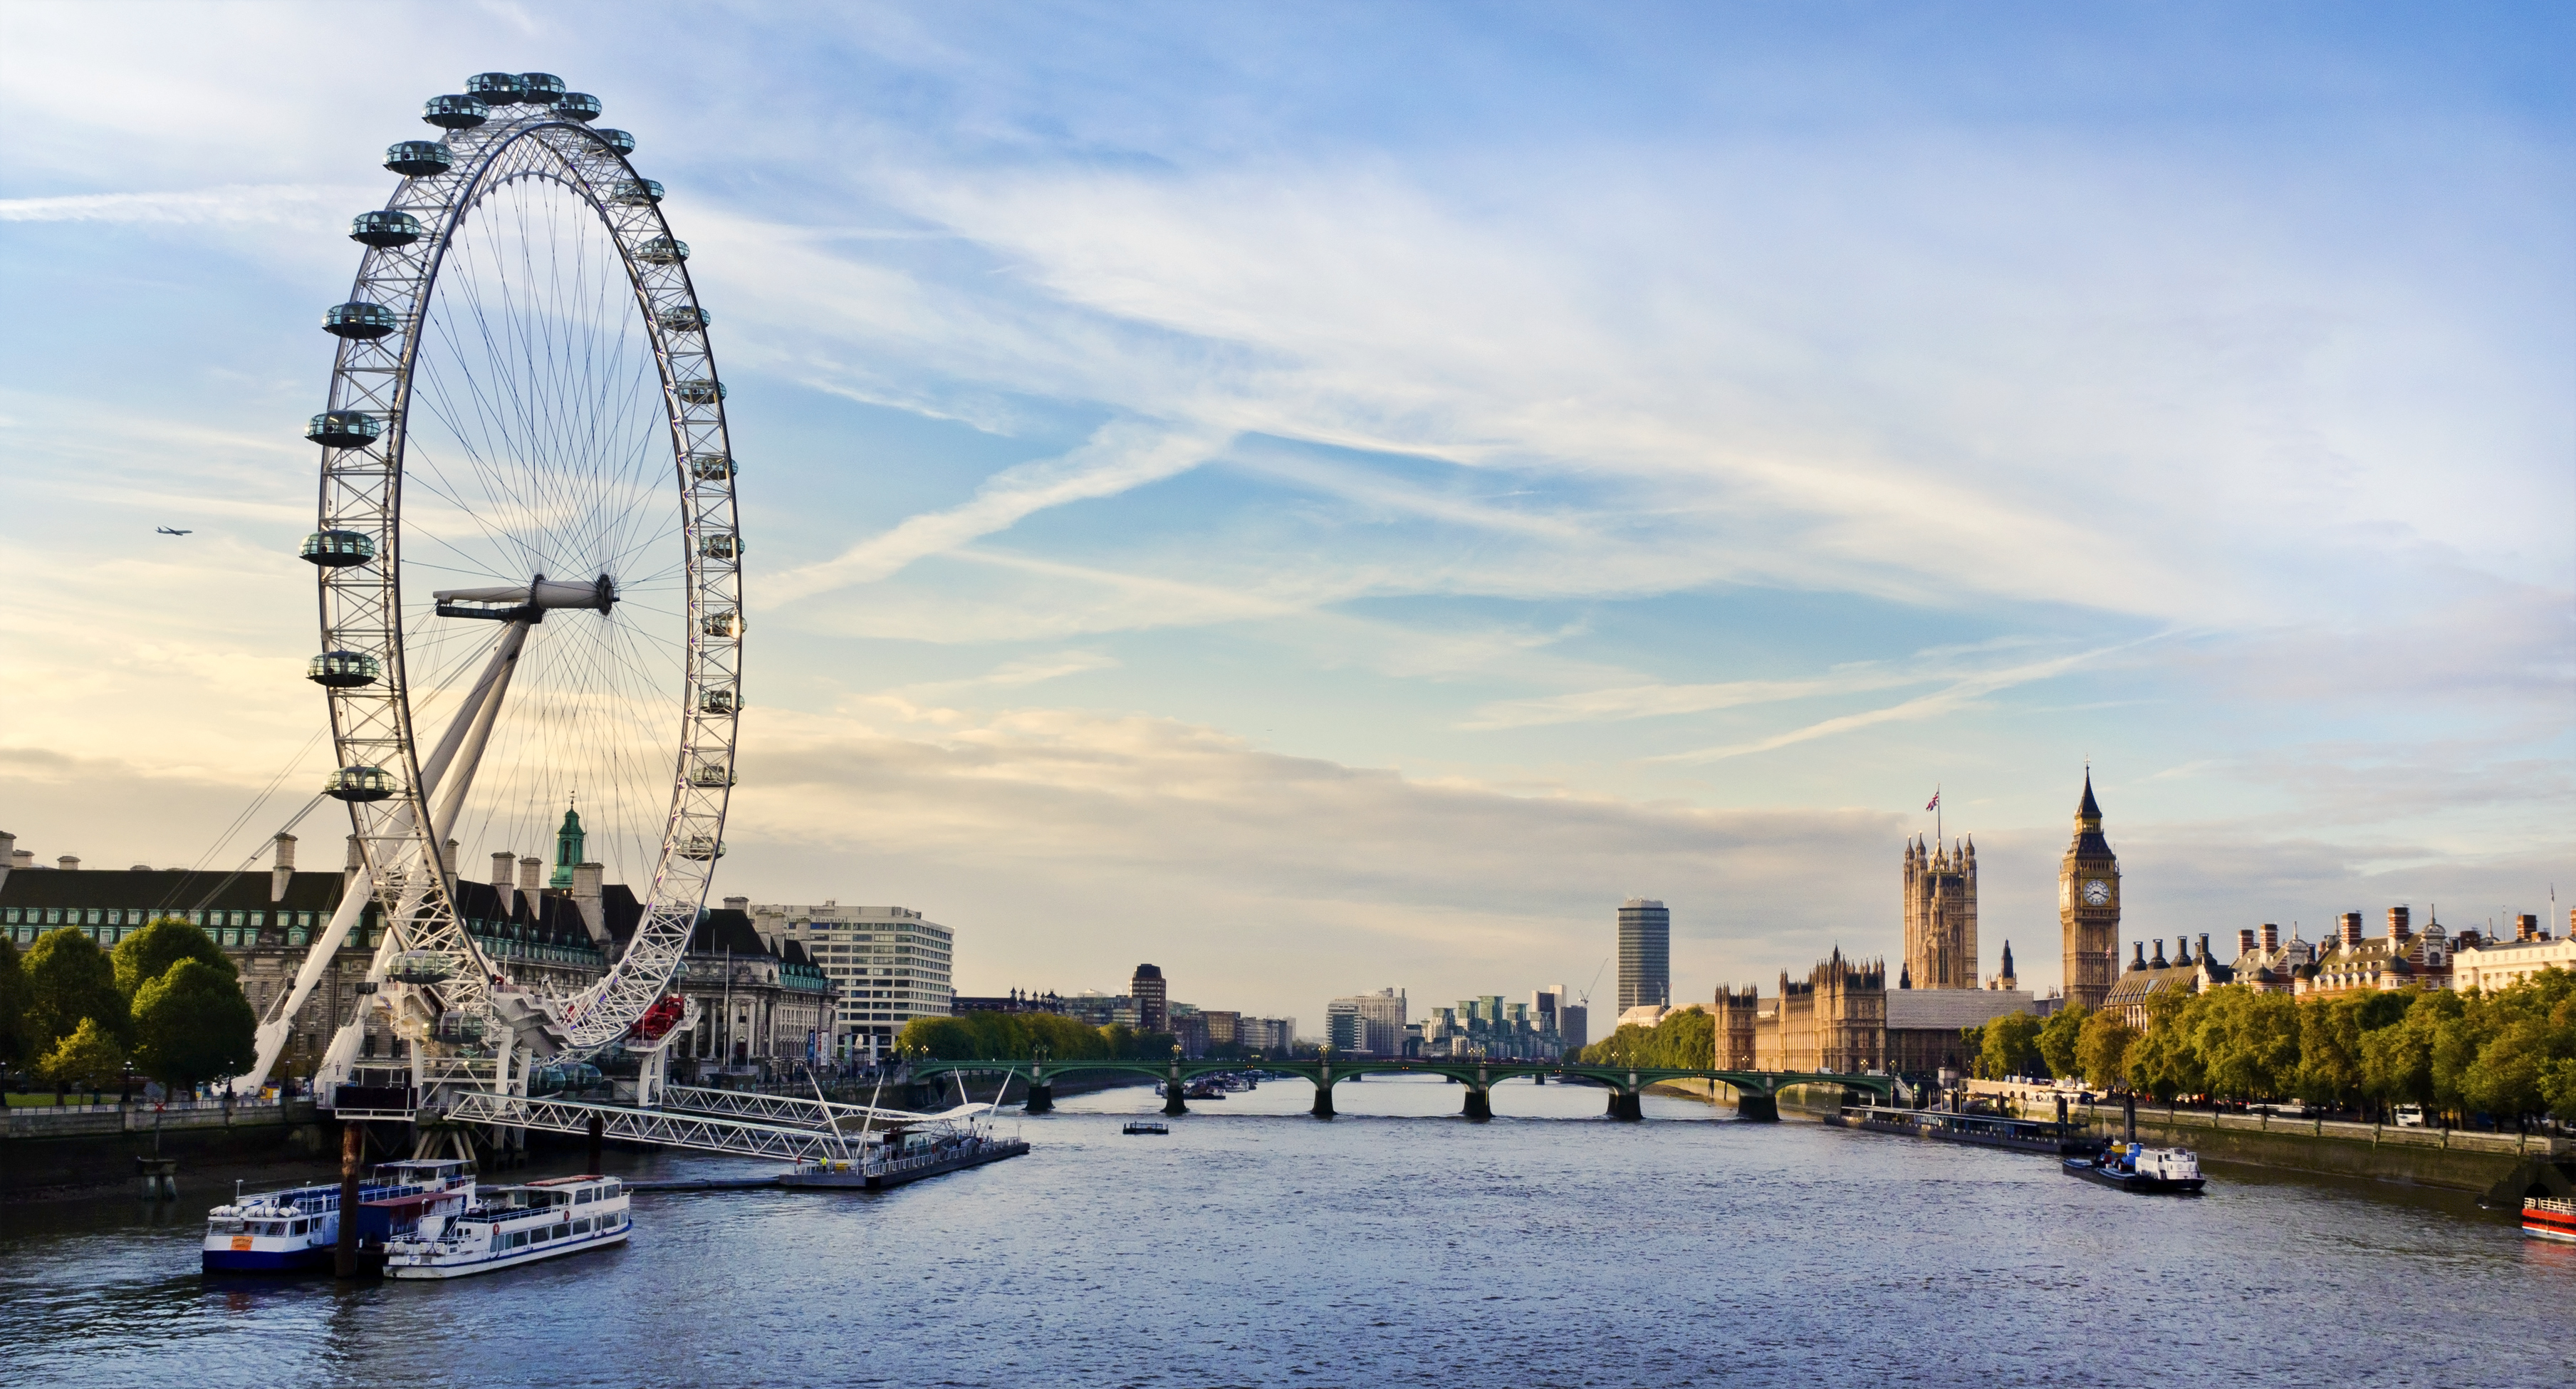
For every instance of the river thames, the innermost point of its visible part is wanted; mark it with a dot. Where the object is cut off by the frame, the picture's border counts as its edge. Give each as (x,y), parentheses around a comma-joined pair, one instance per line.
(1254,1246)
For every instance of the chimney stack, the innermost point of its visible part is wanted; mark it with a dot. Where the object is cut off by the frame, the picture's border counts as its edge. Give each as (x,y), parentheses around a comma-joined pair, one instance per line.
(8,854)
(503,862)
(2182,951)
(2205,959)
(531,869)
(738,904)
(2526,927)
(2245,941)
(586,898)
(2159,961)
(284,873)
(2139,961)
(2400,925)
(68,863)
(2351,933)
(2271,936)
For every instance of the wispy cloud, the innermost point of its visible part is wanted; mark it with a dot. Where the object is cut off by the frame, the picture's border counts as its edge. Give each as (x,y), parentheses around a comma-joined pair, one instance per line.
(232,204)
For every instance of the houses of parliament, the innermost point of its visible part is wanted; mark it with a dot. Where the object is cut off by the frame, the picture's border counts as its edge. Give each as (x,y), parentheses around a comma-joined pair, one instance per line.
(1845,1017)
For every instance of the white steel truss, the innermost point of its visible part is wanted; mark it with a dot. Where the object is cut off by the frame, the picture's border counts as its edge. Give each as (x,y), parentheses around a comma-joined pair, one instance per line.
(402,835)
(706,1133)
(739,1104)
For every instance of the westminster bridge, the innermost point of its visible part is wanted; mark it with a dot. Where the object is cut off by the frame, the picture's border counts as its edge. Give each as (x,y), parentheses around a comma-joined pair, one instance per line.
(1757,1092)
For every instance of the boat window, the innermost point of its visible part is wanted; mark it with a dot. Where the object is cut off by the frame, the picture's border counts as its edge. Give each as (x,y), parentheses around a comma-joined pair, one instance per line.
(608,1188)
(224,1227)
(582,1197)
(296,1229)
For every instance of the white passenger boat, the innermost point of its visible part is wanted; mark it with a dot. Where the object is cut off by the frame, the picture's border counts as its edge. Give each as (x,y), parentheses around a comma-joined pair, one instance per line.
(298,1229)
(514,1225)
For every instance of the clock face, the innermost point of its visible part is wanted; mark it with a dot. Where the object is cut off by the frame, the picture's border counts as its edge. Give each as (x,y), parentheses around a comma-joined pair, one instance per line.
(2096,893)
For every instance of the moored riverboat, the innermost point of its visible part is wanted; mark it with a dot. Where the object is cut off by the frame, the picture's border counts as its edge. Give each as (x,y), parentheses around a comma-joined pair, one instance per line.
(1981,1130)
(514,1225)
(2549,1217)
(2154,1171)
(298,1230)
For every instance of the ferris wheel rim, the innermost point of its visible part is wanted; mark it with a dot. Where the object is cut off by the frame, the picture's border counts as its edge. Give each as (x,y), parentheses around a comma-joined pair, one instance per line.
(365,431)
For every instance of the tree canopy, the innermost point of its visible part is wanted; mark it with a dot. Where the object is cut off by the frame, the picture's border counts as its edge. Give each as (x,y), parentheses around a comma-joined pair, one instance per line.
(87,1058)
(15,1049)
(1015,1036)
(69,979)
(2008,1046)
(148,954)
(2059,1039)
(192,1025)
(1686,1038)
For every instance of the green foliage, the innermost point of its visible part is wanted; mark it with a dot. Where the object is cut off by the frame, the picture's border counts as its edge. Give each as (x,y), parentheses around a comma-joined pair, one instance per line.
(86,1058)
(2009,1047)
(1684,1040)
(2102,1049)
(15,1050)
(69,979)
(147,954)
(1015,1036)
(2247,1040)
(2330,1032)
(2059,1040)
(192,1025)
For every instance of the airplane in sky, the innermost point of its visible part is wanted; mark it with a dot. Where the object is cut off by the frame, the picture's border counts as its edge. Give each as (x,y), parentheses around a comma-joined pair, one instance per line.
(165,530)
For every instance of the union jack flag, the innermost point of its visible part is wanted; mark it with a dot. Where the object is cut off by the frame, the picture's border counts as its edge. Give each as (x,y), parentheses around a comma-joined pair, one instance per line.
(1934,803)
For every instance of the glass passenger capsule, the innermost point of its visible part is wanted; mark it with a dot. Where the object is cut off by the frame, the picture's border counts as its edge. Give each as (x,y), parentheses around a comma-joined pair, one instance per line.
(457,1027)
(699,392)
(417,158)
(344,429)
(360,784)
(636,192)
(343,670)
(455,112)
(685,319)
(540,88)
(497,88)
(421,967)
(339,549)
(385,228)
(617,140)
(718,699)
(701,847)
(724,622)
(712,777)
(359,319)
(721,546)
(711,467)
(579,106)
(662,250)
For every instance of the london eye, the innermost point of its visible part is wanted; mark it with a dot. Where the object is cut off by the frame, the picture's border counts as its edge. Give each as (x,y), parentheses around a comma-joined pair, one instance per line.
(528,570)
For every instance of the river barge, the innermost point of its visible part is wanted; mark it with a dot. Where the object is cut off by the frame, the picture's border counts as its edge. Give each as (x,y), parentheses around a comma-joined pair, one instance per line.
(298,1230)
(2150,1171)
(1982,1130)
(881,1165)
(514,1225)
(2548,1217)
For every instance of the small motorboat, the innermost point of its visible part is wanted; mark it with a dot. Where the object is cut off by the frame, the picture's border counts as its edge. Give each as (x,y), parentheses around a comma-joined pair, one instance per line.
(2155,1171)
(2548,1217)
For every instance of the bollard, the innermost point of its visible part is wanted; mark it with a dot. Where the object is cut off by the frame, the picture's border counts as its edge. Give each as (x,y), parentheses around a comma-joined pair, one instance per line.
(353,1140)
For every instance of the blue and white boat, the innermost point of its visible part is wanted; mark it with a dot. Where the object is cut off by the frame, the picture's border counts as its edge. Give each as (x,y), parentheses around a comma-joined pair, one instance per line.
(298,1229)
(514,1225)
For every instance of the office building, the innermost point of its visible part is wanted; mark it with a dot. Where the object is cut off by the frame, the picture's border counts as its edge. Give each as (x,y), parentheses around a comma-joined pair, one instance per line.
(887,965)
(1645,954)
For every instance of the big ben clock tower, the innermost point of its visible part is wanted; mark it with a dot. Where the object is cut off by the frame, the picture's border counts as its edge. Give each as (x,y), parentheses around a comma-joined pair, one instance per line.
(2088,906)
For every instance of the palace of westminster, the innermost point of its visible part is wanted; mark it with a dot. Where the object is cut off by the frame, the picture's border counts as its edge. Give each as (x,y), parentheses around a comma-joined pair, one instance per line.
(1845,1016)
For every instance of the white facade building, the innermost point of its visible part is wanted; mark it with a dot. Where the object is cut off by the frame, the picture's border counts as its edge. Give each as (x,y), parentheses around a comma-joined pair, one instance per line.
(888,965)
(2494,966)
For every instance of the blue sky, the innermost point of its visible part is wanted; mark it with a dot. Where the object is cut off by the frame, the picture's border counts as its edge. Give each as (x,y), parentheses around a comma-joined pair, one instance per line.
(1323,497)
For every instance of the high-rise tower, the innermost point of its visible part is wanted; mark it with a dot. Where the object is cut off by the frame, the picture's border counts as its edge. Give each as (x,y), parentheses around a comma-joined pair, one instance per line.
(1941,916)
(2088,906)
(1645,953)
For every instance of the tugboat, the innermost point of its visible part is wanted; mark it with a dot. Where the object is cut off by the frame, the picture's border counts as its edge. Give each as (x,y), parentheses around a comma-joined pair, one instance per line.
(297,1230)
(2549,1217)
(2156,1171)
(514,1225)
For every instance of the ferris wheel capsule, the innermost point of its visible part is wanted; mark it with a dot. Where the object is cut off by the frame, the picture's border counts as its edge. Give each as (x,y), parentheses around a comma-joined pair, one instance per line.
(662,250)
(636,192)
(344,429)
(497,88)
(359,319)
(617,140)
(343,670)
(578,106)
(456,112)
(384,229)
(711,467)
(339,549)
(688,318)
(417,158)
(359,785)
(698,392)
(540,88)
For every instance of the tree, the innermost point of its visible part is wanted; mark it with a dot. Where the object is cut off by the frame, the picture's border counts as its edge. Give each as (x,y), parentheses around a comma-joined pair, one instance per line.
(2558,1087)
(147,954)
(15,1051)
(87,1058)
(192,1025)
(2010,1046)
(2248,1042)
(68,979)
(2102,1049)
(1685,1038)
(2397,1060)
(2330,1048)
(2059,1039)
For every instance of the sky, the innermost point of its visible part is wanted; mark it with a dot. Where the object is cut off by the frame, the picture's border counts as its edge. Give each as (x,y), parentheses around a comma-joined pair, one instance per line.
(1331,497)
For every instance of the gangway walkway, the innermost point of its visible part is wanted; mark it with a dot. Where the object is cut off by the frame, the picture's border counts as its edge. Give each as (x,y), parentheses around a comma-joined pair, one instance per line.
(671,1128)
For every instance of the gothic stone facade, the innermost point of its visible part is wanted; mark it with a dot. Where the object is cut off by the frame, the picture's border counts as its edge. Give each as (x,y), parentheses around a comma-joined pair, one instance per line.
(1940,916)
(2088,906)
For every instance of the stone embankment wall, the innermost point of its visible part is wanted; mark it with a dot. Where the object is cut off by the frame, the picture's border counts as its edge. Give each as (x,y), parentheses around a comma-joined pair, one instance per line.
(96,1145)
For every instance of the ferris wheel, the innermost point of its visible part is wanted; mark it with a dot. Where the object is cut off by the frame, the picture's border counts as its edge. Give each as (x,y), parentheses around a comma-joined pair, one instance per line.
(529,567)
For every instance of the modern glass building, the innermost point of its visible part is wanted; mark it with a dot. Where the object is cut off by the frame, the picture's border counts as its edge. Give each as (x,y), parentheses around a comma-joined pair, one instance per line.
(1645,954)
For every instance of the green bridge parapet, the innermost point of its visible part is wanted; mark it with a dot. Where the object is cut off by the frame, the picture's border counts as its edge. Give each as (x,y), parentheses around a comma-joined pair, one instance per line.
(1757,1092)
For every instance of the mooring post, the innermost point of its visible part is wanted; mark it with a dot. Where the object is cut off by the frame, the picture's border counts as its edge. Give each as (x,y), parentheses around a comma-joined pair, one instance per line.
(2129,1115)
(353,1140)
(595,1133)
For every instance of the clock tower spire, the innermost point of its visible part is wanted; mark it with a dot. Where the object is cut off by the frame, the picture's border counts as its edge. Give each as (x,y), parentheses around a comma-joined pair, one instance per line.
(2088,906)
